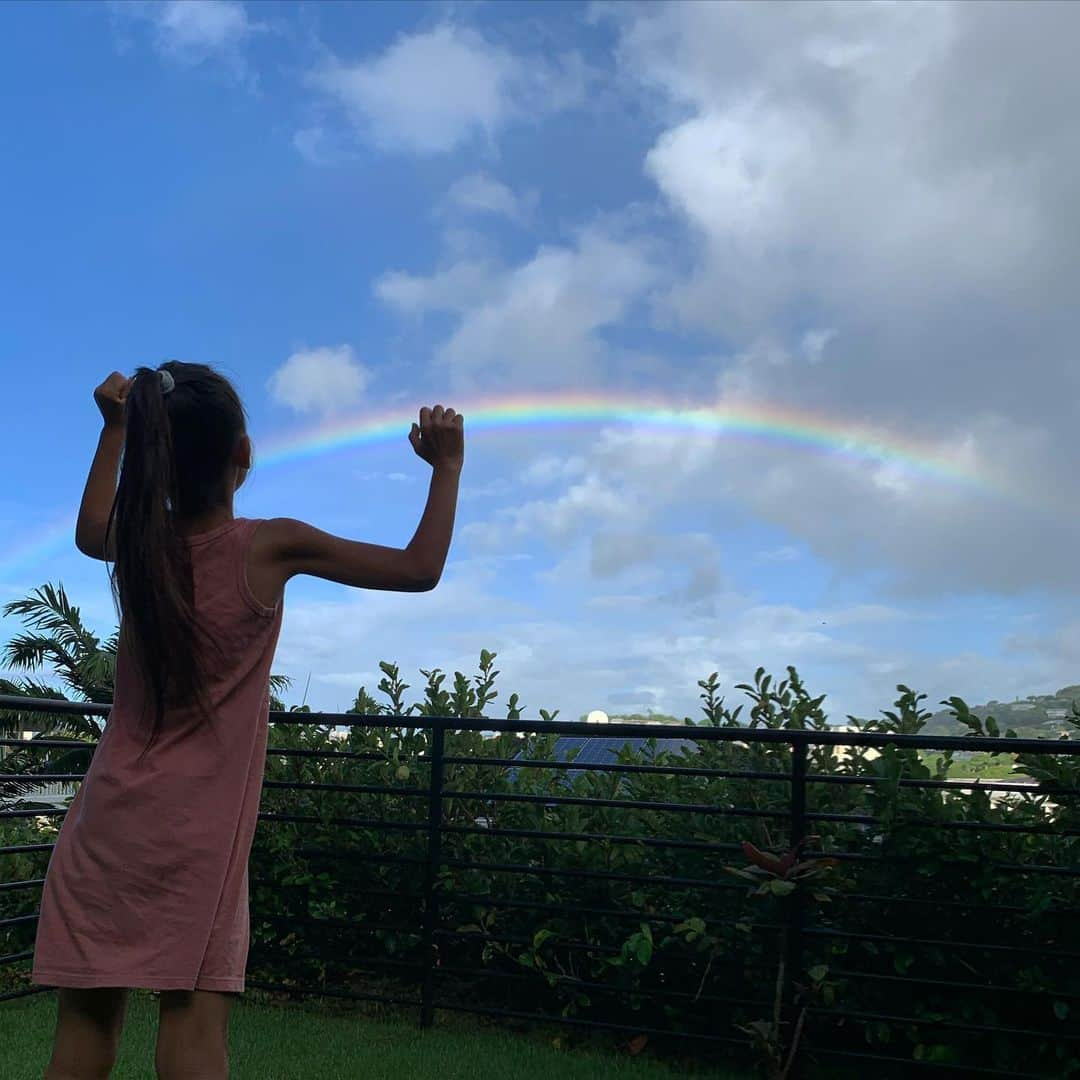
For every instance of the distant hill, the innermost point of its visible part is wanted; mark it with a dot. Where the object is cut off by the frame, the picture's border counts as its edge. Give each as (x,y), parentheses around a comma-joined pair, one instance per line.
(1038,716)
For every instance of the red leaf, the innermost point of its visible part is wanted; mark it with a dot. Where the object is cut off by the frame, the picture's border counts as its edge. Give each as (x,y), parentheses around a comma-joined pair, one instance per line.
(638,1043)
(769,863)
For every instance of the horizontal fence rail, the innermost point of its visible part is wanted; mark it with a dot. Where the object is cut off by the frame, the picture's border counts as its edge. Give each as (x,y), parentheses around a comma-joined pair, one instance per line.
(427,871)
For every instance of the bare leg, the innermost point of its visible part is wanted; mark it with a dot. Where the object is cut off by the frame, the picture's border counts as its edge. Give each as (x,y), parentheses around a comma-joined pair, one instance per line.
(88,1027)
(193,1035)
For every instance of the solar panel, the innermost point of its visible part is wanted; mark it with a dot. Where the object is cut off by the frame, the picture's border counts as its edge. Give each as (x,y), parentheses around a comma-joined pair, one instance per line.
(604,750)
(566,745)
(594,751)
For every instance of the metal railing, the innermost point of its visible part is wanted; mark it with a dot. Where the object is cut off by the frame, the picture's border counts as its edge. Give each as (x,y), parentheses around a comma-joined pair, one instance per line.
(1046,939)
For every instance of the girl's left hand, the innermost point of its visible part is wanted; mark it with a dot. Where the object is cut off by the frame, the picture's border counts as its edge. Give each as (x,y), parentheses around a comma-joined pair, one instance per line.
(111,396)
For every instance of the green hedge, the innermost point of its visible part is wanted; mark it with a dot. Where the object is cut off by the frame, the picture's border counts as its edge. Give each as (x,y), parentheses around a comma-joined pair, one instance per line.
(688,958)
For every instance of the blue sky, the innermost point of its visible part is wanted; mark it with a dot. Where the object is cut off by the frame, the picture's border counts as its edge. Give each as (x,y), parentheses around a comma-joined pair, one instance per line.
(350,207)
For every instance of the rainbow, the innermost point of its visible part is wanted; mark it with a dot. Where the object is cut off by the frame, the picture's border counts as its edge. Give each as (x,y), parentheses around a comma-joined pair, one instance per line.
(758,422)
(797,429)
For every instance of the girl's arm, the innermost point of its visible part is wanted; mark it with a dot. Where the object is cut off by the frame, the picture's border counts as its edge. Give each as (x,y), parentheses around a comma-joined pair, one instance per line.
(100,488)
(284,547)
(295,547)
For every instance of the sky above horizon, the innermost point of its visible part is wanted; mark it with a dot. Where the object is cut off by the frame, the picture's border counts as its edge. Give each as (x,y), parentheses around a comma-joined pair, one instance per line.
(849,220)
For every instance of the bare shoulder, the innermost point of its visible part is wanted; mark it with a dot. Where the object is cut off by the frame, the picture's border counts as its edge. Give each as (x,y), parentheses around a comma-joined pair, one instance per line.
(267,565)
(280,538)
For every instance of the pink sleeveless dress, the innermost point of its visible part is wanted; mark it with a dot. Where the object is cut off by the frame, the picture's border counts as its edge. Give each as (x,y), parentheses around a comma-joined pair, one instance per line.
(147,884)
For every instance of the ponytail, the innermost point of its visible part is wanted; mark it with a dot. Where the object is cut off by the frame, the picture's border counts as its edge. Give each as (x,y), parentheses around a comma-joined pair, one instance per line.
(151,576)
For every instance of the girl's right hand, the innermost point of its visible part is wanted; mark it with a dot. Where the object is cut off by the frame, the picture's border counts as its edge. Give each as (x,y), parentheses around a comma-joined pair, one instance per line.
(439,438)
(110,397)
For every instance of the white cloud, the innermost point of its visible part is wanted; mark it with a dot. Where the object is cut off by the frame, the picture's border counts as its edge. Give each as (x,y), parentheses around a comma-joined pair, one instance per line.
(611,516)
(586,505)
(551,468)
(480,194)
(320,380)
(855,652)
(875,246)
(815,342)
(536,324)
(784,554)
(193,31)
(322,146)
(836,153)
(456,288)
(879,245)
(433,91)
(188,27)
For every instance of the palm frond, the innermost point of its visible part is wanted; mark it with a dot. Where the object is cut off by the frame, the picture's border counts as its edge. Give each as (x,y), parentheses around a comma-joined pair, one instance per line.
(56,638)
(26,651)
(30,651)
(96,676)
(15,719)
(62,725)
(48,608)
(41,762)
(74,726)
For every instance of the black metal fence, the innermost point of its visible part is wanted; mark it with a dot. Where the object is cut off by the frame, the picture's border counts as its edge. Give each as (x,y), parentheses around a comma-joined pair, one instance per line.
(893,980)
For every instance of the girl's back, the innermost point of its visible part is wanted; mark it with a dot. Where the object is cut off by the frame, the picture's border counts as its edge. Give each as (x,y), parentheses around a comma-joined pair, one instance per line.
(176,823)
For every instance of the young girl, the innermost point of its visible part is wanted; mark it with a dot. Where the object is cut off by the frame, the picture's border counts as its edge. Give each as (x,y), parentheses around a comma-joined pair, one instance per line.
(147,884)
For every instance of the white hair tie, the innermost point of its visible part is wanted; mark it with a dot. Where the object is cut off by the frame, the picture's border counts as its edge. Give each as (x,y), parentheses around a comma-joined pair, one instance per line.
(168,383)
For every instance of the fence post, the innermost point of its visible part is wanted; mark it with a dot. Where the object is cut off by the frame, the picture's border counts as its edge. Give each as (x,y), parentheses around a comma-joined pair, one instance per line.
(434,855)
(793,952)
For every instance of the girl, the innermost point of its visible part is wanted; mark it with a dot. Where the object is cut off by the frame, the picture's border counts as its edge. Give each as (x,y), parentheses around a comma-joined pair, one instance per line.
(147,884)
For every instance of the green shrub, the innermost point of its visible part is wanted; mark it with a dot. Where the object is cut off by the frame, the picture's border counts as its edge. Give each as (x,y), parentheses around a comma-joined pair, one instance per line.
(668,938)
(926,867)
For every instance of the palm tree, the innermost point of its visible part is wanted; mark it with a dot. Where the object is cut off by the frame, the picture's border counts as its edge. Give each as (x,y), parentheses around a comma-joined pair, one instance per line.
(84,665)
(55,638)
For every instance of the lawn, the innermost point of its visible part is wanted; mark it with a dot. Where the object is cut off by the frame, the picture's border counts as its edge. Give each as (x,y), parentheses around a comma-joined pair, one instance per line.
(978,766)
(285,1043)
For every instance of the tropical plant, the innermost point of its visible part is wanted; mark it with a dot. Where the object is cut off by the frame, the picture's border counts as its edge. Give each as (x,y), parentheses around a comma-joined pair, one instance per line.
(56,645)
(777,1038)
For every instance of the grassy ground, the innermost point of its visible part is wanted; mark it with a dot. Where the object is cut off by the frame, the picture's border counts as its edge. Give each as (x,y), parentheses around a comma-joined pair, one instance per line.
(978,766)
(287,1043)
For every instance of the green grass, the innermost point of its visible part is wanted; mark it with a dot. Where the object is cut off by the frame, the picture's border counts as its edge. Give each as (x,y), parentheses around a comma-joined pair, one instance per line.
(978,765)
(286,1043)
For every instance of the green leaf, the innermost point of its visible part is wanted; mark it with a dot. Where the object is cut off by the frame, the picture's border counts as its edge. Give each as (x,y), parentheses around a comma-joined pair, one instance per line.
(781,888)
(541,936)
(819,972)
(1061,1010)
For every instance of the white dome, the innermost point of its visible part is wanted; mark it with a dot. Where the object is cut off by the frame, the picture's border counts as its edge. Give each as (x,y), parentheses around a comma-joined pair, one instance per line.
(597,716)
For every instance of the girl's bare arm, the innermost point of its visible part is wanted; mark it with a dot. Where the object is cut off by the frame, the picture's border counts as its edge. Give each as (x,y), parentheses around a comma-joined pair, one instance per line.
(100,488)
(285,547)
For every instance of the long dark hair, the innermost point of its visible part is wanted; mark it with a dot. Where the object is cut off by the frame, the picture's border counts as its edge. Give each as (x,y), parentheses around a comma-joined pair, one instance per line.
(177,448)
